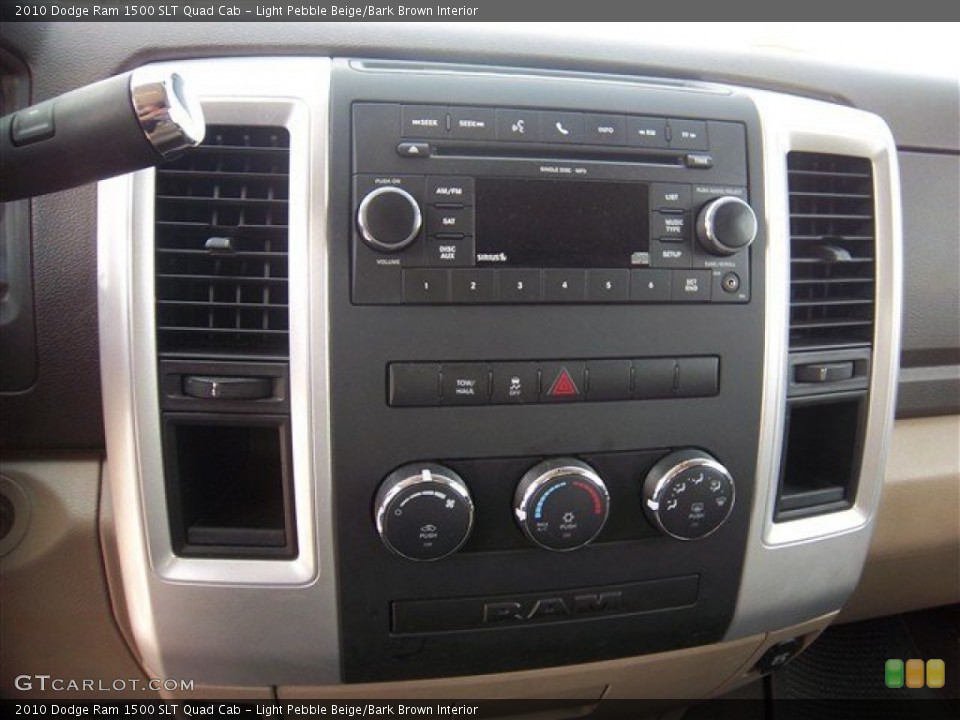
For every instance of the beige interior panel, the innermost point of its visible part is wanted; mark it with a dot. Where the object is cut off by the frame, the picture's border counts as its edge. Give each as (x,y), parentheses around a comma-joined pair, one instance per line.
(914,559)
(57,619)
(807,632)
(690,673)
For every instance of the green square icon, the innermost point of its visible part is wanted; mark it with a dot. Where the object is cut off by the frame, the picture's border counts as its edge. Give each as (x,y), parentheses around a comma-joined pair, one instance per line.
(893,673)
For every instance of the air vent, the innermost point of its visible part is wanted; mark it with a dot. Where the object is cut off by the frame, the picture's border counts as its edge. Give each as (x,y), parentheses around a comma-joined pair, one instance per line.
(832,247)
(221,246)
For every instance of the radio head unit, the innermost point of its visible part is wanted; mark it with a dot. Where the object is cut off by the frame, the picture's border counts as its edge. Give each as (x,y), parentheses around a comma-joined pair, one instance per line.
(484,205)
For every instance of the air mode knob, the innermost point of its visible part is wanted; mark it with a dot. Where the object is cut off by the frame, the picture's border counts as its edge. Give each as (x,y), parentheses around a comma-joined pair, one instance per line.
(389,219)
(688,494)
(423,511)
(561,504)
(726,225)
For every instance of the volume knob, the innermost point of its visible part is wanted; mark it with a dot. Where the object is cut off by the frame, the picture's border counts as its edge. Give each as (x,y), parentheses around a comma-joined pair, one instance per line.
(726,225)
(389,219)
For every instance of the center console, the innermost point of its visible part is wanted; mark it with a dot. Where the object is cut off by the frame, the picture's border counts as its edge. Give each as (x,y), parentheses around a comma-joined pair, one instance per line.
(549,419)
(449,370)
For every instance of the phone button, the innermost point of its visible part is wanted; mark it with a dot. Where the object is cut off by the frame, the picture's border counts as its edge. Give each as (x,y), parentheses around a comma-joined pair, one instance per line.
(561,127)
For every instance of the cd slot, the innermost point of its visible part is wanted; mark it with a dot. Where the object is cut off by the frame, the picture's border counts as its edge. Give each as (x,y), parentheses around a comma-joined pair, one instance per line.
(546,152)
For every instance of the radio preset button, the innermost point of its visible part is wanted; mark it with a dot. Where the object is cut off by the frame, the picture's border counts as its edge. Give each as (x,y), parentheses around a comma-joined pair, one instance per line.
(608,286)
(647,132)
(465,384)
(472,123)
(650,286)
(450,251)
(692,286)
(519,285)
(426,286)
(429,121)
(688,135)
(515,383)
(448,220)
(606,129)
(473,286)
(561,127)
(564,285)
(519,125)
(455,190)
(669,196)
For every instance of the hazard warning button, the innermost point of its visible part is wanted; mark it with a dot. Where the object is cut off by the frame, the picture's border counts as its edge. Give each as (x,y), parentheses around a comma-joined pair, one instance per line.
(562,382)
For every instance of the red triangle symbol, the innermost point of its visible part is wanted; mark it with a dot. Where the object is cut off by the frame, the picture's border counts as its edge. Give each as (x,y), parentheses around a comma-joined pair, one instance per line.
(563,386)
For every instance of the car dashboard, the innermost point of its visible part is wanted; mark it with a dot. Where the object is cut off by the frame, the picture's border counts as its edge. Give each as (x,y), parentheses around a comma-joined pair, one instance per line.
(445,370)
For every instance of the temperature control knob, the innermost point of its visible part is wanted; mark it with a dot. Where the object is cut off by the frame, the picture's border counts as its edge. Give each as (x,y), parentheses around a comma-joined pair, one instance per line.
(688,494)
(561,504)
(389,219)
(423,511)
(726,225)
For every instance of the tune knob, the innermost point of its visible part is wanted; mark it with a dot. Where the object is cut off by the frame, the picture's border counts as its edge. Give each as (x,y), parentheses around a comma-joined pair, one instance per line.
(726,225)
(389,219)
(688,494)
(423,511)
(561,504)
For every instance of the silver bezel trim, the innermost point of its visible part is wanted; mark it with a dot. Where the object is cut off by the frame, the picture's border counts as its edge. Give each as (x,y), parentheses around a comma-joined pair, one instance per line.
(652,503)
(369,237)
(541,476)
(805,568)
(221,621)
(427,475)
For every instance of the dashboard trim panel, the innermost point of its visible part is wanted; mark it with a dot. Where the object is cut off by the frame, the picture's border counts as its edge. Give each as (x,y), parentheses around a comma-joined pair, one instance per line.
(237,608)
(792,568)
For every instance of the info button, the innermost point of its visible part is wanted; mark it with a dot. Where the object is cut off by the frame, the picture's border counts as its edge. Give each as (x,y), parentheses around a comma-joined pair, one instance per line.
(606,129)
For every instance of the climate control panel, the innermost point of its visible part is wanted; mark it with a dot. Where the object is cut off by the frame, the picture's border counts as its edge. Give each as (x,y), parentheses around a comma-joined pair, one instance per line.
(425,511)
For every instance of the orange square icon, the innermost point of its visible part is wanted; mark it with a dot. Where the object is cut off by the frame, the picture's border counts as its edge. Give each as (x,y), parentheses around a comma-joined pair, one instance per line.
(936,672)
(915,673)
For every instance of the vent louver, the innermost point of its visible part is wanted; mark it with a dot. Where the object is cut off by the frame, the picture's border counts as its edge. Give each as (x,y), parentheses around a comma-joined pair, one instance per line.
(221,246)
(832,248)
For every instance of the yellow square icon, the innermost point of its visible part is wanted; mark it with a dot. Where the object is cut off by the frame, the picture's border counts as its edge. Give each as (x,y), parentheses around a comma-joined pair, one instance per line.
(915,673)
(936,673)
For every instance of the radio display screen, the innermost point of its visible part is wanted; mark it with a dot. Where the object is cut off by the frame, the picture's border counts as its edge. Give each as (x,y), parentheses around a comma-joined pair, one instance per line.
(561,223)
